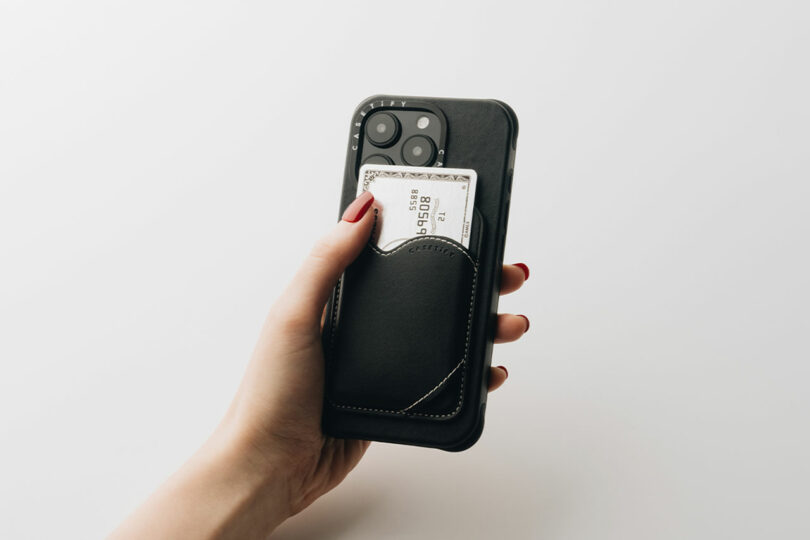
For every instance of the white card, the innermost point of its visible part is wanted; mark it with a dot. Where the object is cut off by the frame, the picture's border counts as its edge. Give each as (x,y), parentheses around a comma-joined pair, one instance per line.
(417,201)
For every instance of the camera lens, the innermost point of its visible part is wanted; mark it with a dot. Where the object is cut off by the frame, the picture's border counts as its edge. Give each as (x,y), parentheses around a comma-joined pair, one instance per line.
(378,159)
(419,151)
(382,129)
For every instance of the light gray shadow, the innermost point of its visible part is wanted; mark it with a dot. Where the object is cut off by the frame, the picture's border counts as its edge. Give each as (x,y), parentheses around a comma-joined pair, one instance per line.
(333,516)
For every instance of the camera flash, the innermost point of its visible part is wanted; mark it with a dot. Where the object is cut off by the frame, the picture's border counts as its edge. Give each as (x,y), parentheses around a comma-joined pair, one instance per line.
(422,122)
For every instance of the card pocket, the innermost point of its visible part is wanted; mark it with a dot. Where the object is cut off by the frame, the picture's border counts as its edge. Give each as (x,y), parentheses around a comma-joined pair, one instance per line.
(400,328)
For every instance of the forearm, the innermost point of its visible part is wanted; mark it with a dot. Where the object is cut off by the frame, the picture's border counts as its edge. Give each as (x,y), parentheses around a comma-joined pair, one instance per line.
(219,493)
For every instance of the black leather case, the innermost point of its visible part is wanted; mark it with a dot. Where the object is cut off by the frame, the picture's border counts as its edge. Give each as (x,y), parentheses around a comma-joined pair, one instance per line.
(408,333)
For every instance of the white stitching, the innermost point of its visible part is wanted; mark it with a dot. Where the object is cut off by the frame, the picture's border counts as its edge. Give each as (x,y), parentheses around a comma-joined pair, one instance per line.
(421,399)
(416,239)
(466,343)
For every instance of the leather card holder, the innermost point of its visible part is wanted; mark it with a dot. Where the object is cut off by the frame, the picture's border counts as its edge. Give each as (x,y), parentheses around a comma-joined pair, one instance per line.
(399,338)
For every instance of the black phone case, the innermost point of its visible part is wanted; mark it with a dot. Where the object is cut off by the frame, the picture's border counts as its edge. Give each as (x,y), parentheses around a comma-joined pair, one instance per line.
(408,333)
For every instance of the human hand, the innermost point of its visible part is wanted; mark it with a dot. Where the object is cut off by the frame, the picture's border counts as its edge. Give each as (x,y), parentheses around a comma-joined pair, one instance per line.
(278,406)
(268,459)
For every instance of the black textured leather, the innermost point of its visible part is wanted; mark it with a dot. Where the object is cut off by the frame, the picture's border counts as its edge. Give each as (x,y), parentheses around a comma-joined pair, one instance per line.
(400,337)
(480,135)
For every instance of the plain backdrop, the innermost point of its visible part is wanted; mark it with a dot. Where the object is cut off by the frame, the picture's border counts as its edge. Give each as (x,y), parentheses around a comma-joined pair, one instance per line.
(165,166)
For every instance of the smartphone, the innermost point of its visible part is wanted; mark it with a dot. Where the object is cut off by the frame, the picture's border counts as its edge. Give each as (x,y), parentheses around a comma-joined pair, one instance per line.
(408,334)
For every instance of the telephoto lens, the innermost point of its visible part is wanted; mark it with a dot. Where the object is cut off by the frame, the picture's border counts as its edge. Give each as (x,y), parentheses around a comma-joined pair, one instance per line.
(419,151)
(382,129)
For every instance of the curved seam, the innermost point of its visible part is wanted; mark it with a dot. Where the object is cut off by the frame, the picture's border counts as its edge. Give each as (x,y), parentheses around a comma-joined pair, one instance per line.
(460,249)
(421,399)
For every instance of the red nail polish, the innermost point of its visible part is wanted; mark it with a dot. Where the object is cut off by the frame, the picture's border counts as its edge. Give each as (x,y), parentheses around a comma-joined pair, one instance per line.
(355,211)
(524,268)
(527,322)
(504,370)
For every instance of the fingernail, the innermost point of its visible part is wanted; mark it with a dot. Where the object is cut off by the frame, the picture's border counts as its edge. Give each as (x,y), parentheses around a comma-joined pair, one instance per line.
(358,208)
(525,318)
(524,268)
(504,370)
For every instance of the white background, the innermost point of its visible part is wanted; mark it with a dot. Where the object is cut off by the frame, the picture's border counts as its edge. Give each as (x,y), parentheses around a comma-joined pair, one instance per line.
(165,166)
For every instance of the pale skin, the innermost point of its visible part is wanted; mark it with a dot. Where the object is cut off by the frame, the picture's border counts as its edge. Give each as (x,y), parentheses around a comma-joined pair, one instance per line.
(268,458)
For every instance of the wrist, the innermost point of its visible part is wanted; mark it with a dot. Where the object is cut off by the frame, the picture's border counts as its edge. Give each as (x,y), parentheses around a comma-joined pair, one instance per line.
(256,486)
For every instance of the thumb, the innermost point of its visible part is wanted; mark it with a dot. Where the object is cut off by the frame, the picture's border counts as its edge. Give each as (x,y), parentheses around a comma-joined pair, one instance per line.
(313,283)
